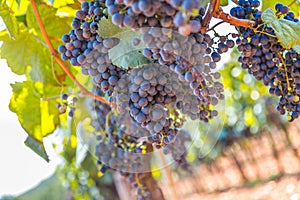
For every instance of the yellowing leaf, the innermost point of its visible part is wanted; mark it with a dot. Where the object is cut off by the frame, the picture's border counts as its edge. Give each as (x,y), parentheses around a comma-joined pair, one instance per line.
(38,119)
(10,21)
(18,8)
(287,32)
(27,54)
(47,120)
(107,29)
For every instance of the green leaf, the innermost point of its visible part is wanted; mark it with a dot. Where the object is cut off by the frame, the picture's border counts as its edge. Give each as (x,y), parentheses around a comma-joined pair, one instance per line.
(9,20)
(271,4)
(38,118)
(287,32)
(268,16)
(125,54)
(107,29)
(297,48)
(55,26)
(27,54)
(224,2)
(37,147)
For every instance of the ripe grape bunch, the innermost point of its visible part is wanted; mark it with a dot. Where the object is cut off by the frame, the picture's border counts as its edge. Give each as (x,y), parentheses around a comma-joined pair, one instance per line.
(85,48)
(67,103)
(178,81)
(266,59)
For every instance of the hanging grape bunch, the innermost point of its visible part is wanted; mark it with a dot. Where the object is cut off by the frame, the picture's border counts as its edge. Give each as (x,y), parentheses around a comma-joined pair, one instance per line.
(266,59)
(67,103)
(172,76)
(147,92)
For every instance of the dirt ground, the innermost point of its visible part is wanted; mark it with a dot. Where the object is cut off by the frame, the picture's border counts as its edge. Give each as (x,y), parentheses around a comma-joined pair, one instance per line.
(285,188)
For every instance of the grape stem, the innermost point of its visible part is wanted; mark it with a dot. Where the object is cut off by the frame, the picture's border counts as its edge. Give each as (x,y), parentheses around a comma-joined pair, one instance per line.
(233,20)
(209,14)
(217,24)
(62,65)
(285,69)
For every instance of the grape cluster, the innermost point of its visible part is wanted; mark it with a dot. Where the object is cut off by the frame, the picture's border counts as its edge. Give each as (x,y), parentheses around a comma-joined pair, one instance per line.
(67,103)
(136,182)
(99,111)
(192,58)
(265,58)
(145,93)
(85,48)
(159,102)
(117,148)
(184,15)
(178,150)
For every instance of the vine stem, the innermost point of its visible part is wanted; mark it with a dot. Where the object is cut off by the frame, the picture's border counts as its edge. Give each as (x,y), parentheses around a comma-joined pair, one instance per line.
(286,72)
(214,10)
(233,20)
(209,14)
(62,65)
(168,174)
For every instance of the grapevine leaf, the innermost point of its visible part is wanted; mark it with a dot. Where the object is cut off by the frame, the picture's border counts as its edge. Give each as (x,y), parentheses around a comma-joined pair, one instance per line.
(224,2)
(125,54)
(10,21)
(18,8)
(27,54)
(62,3)
(297,48)
(107,29)
(269,16)
(295,7)
(54,25)
(38,118)
(287,32)
(37,147)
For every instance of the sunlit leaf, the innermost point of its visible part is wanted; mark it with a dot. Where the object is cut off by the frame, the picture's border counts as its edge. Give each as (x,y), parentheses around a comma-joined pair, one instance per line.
(38,119)
(18,7)
(55,26)
(27,54)
(9,20)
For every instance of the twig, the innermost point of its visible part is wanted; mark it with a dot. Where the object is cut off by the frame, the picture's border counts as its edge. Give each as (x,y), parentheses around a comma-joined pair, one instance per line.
(214,26)
(59,60)
(169,176)
(233,20)
(285,70)
(209,15)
